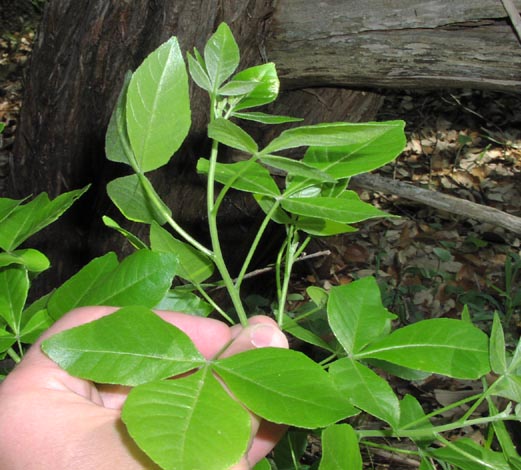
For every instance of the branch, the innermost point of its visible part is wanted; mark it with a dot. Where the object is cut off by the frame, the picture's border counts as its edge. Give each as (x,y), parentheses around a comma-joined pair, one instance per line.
(439,201)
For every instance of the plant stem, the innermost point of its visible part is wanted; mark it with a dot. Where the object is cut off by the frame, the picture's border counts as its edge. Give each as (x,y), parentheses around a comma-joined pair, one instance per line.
(440,411)
(255,244)
(291,249)
(430,431)
(389,448)
(214,237)
(160,207)
(14,355)
(469,457)
(205,295)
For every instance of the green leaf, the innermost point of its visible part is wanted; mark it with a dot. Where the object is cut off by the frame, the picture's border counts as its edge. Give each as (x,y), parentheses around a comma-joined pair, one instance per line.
(295,168)
(399,371)
(356,314)
(333,135)
(194,266)
(132,239)
(347,209)
(180,300)
(498,360)
(322,227)
(246,176)
(129,347)
(232,135)
(293,328)
(131,198)
(158,107)
(117,144)
(264,118)
(443,346)
(27,219)
(290,449)
(189,423)
(469,455)
(198,72)
(69,295)
(318,295)
(412,417)
(7,339)
(503,437)
(267,88)
(266,204)
(236,88)
(34,260)
(283,386)
(515,363)
(35,326)
(14,286)
(379,146)
(366,390)
(143,278)
(508,386)
(221,55)
(7,206)
(264,464)
(340,449)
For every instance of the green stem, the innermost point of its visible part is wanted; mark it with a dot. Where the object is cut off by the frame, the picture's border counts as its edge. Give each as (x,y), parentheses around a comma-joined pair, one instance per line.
(161,208)
(430,431)
(440,411)
(324,363)
(396,450)
(469,457)
(255,244)
(212,302)
(14,355)
(482,398)
(288,266)
(214,237)
(278,268)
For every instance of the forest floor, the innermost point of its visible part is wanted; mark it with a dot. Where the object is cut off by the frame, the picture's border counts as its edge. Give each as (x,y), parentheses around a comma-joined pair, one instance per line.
(429,263)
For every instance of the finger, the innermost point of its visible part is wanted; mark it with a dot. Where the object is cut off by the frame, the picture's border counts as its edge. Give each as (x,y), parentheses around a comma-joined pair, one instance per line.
(261,332)
(267,437)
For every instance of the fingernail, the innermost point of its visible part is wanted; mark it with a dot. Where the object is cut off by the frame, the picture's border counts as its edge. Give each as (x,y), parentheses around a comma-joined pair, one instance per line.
(262,335)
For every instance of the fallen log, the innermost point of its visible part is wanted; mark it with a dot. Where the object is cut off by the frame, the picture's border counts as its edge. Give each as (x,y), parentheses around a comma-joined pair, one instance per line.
(439,201)
(396,43)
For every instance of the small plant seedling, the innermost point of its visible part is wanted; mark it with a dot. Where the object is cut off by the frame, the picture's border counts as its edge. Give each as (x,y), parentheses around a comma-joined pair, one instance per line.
(169,419)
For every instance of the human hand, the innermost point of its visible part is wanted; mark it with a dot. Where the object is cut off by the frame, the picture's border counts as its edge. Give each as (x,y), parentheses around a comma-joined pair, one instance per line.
(51,420)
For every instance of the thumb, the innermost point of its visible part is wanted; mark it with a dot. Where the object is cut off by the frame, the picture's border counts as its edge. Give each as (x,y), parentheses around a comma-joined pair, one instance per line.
(261,332)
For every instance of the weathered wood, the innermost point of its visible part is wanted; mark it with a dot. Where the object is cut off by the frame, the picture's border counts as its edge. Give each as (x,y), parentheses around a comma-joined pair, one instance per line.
(396,43)
(440,201)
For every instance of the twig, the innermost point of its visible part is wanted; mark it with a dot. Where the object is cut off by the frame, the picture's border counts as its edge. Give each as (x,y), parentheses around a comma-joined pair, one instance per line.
(395,457)
(304,257)
(513,14)
(267,269)
(440,201)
